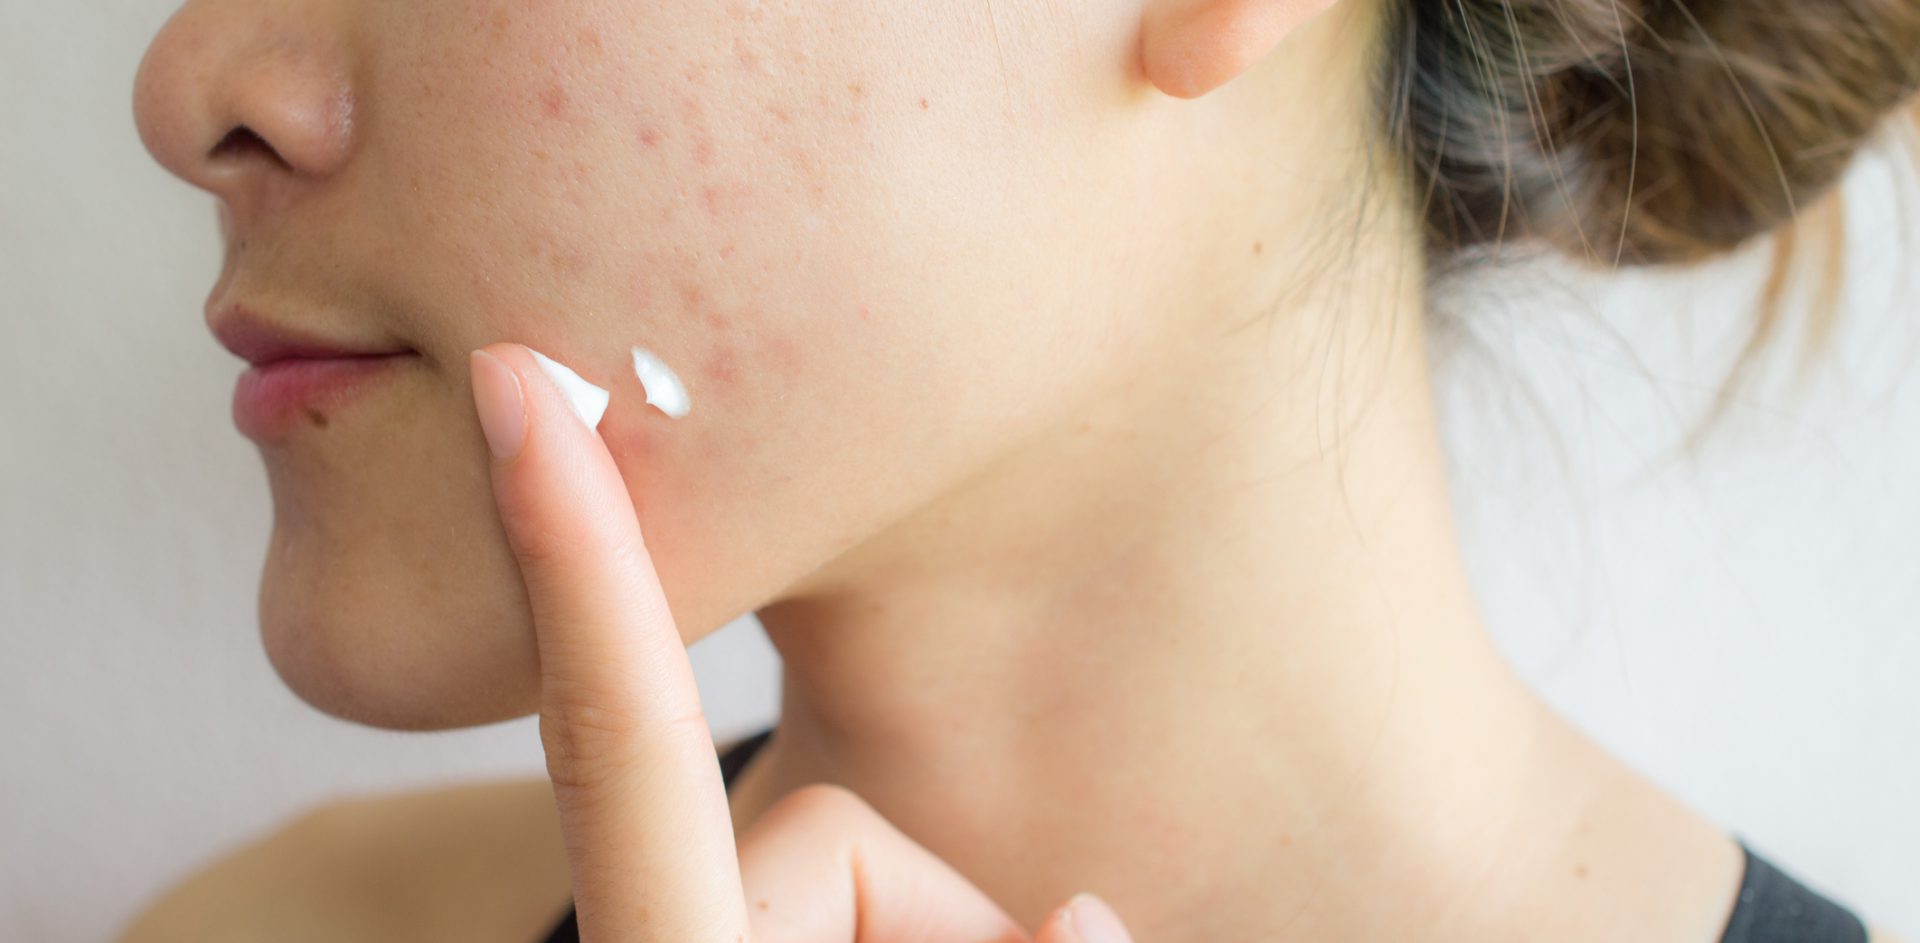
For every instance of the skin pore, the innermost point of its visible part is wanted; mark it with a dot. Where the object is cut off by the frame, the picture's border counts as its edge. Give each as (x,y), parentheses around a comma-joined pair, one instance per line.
(1064,411)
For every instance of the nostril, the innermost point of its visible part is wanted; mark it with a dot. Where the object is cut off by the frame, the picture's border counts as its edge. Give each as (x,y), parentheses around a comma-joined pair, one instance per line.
(242,141)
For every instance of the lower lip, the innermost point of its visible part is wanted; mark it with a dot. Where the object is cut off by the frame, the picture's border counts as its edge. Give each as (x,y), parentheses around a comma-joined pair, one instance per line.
(273,399)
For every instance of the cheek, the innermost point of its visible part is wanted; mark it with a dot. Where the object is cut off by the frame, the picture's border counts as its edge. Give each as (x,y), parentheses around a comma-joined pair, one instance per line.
(726,195)
(723,171)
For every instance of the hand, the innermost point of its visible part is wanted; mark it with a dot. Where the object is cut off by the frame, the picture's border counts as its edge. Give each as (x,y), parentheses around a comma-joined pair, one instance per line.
(643,812)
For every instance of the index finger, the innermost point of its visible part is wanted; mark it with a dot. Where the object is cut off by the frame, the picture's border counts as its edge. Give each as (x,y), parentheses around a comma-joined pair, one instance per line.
(642,808)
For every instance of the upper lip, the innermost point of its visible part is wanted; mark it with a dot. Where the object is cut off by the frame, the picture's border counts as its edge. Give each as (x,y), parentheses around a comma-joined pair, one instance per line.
(258,341)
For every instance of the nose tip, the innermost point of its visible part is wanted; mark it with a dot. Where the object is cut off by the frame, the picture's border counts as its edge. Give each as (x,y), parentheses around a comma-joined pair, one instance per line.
(242,104)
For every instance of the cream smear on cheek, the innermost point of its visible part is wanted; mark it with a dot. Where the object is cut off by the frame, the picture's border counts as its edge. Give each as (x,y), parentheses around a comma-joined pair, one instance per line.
(663,386)
(664,390)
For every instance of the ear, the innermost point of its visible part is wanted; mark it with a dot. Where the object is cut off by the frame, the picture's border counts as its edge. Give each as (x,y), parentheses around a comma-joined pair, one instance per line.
(1191,47)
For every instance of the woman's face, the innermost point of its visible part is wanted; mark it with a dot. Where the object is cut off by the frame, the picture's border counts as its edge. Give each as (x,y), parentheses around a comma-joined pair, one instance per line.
(883,244)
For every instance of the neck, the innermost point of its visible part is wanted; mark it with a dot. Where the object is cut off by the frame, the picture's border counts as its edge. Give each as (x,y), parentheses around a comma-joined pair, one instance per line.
(1206,648)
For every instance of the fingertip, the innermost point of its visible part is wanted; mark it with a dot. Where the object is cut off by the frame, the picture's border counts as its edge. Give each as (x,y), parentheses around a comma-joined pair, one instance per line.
(1085,918)
(500,402)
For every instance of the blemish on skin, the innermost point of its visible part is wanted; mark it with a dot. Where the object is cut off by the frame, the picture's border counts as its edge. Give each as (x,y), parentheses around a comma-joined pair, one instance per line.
(318,418)
(866,314)
(649,136)
(785,355)
(726,252)
(716,198)
(554,101)
(1259,247)
(570,263)
(923,104)
(720,367)
(690,109)
(760,904)
(1580,871)
(716,320)
(749,60)
(857,90)
(691,293)
(703,150)
(591,39)
(780,114)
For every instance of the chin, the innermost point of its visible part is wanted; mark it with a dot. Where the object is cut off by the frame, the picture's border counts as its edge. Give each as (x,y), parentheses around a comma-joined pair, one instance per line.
(372,633)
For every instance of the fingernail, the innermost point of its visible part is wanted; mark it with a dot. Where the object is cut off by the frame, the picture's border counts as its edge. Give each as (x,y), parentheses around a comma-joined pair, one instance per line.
(496,396)
(1095,922)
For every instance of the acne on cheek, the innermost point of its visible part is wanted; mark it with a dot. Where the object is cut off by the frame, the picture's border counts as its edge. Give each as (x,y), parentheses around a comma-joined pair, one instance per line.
(743,351)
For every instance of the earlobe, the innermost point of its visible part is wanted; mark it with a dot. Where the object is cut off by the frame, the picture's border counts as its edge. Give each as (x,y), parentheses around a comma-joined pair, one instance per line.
(1191,47)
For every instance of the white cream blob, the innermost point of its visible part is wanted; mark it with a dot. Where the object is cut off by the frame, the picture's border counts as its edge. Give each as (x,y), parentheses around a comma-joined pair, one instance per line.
(589,402)
(664,389)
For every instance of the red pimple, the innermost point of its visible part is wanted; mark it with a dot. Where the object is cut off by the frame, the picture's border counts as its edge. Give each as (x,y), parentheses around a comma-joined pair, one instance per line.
(570,262)
(638,443)
(554,100)
(720,367)
(785,355)
(649,136)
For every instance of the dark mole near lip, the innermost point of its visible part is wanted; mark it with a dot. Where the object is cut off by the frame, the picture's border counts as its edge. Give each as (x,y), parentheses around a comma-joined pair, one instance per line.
(318,418)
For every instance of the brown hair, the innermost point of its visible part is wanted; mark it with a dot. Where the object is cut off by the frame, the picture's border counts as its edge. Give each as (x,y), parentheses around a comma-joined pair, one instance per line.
(1637,131)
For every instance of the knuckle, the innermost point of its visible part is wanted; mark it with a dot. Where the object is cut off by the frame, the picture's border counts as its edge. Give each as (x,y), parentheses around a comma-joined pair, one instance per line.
(541,547)
(581,741)
(589,742)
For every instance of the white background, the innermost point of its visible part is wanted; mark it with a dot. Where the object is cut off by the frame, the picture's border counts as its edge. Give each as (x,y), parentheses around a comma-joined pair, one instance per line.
(1738,622)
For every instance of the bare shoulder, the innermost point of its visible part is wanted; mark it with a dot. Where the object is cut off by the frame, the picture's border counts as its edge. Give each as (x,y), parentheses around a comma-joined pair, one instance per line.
(473,862)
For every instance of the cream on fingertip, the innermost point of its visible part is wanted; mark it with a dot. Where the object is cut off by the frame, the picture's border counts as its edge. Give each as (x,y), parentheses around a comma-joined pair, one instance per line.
(589,402)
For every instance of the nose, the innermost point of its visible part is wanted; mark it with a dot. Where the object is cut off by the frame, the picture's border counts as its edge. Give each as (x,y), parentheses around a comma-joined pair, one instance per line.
(250,101)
